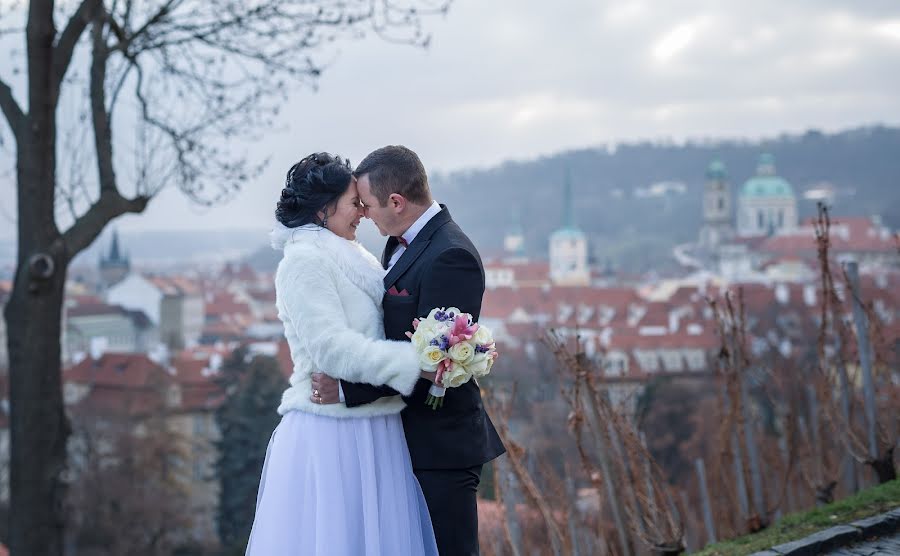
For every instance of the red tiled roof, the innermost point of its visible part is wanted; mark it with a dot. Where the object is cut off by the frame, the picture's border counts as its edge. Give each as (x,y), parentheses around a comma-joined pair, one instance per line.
(192,371)
(116,369)
(241,272)
(201,398)
(228,331)
(502,302)
(122,401)
(222,303)
(174,285)
(132,384)
(846,235)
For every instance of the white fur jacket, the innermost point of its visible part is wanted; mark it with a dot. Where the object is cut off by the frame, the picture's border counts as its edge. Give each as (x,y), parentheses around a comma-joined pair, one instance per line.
(328,294)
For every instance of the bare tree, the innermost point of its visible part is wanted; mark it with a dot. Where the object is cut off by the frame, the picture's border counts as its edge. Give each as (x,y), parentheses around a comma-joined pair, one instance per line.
(613,455)
(874,443)
(126,492)
(160,90)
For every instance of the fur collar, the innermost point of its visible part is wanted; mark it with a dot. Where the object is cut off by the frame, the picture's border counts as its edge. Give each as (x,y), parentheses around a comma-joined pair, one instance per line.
(354,261)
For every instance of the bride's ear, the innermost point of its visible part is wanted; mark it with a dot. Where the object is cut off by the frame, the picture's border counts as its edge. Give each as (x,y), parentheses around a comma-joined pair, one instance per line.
(323,216)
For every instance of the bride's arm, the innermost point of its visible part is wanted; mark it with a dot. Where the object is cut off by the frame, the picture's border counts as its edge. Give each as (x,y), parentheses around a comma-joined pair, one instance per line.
(308,294)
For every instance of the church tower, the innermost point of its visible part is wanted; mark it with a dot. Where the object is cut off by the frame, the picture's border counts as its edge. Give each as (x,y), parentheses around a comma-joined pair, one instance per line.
(568,247)
(767,204)
(514,240)
(716,207)
(115,266)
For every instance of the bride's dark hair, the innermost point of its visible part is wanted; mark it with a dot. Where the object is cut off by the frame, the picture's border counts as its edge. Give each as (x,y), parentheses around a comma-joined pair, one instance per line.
(312,185)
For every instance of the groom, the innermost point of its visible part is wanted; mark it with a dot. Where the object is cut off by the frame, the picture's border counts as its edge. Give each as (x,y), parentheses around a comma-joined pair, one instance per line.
(430,263)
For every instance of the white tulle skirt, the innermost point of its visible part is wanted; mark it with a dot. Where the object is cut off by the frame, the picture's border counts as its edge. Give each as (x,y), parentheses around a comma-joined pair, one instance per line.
(340,487)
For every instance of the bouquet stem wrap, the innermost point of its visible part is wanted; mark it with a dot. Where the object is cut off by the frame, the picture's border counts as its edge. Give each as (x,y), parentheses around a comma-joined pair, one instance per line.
(435,397)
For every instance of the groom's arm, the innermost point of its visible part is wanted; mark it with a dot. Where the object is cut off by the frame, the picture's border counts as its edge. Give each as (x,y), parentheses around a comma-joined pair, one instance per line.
(356,393)
(454,279)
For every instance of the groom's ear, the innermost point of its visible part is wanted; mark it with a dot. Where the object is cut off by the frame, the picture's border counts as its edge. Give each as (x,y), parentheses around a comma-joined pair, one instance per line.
(397,202)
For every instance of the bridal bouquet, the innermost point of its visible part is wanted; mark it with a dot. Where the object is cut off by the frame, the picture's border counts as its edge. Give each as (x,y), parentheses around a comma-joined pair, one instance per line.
(450,344)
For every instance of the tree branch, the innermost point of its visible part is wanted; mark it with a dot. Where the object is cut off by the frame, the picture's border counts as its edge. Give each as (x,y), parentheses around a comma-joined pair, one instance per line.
(87,228)
(11,109)
(65,46)
(99,115)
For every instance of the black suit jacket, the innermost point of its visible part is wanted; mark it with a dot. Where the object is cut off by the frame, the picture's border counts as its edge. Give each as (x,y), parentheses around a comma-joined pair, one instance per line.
(440,268)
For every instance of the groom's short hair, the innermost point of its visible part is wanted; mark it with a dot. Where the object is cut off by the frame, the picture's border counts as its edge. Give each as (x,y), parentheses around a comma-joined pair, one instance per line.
(395,169)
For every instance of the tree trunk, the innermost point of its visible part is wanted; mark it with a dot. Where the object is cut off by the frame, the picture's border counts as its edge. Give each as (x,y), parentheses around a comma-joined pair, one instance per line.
(38,425)
(884,467)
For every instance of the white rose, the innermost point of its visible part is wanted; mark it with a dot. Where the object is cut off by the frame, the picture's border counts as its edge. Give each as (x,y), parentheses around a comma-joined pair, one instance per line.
(483,336)
(480,365)
(427,327)
(462,353)
(421,338)
(430,357)
(457,377)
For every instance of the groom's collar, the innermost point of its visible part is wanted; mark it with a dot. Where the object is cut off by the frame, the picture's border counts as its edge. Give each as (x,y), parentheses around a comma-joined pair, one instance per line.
(410,234)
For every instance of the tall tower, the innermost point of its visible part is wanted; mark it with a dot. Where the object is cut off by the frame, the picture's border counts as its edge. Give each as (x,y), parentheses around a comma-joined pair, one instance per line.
(115,266)
(716,227)
(514,240)
(568,246)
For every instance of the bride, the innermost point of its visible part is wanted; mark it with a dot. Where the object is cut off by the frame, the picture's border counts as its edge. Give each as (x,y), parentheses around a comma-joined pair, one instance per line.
(336,480)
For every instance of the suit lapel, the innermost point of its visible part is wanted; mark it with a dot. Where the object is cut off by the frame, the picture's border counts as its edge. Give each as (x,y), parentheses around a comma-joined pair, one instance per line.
(389,248)
(406,259)
(416,248)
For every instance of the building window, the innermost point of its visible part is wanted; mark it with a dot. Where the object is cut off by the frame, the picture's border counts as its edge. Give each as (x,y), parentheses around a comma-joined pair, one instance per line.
(760,220)
(780,218)
(721,204)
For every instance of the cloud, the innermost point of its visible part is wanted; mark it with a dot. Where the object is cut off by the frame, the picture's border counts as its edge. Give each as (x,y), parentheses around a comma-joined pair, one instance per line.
(519,79)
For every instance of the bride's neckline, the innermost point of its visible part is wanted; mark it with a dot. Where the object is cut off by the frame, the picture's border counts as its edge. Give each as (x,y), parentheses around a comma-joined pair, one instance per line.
(354,260)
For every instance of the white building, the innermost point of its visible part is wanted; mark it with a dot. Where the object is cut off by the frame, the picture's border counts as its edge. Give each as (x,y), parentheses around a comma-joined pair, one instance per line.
(767,204)
(569,248)
(118,329)
(174,305)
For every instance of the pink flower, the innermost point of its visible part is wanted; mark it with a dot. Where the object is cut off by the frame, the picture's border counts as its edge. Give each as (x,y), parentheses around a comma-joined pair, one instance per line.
(444,366)
(462,330)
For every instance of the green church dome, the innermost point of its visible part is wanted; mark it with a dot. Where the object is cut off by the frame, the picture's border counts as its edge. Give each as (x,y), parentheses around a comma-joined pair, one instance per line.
(716,171)
(766,183)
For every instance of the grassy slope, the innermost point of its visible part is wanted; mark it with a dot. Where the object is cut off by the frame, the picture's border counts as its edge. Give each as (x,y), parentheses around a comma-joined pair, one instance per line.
(866,503)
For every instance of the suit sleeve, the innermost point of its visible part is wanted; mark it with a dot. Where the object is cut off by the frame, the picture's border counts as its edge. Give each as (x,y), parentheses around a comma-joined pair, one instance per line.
(454,279)
(357,394)
(336,349)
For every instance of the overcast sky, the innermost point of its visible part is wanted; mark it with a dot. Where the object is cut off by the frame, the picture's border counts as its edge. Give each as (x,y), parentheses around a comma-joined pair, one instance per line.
(523,78)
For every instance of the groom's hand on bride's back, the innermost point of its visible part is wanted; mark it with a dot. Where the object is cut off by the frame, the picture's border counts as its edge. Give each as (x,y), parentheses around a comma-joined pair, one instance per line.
(324,389)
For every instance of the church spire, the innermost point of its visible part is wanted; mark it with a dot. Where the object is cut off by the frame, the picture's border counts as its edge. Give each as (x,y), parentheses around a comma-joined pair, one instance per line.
(568,208)
(114,254)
